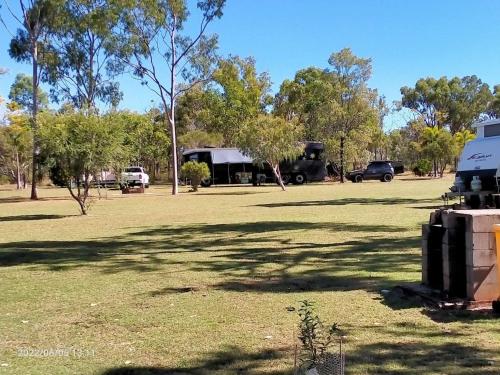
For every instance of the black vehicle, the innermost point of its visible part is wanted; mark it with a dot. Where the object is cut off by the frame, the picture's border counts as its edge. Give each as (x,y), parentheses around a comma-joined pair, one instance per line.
(230,166)
(377,170)
(309,167)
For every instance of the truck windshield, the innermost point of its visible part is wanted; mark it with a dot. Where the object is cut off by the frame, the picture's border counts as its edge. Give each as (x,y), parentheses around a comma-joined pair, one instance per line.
(133,170)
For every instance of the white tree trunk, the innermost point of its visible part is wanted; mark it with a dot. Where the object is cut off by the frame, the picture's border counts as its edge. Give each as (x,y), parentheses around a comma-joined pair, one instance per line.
(277,173)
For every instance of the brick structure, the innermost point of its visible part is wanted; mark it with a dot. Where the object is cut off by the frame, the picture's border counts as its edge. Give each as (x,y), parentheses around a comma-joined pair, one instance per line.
(459,254)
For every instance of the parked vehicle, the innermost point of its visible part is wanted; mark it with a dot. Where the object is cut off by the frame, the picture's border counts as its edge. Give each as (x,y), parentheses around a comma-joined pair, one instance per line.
(376,170)
(480,160)
(134,176)
(231,166)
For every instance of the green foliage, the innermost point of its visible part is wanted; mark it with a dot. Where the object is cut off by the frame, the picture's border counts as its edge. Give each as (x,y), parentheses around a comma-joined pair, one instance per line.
(335,104)
(270,139)
(195,172)
(15,148)
(200,138)
(146,138)
(236,94)
(423,167)
(316,338)
(81,146)
(439,146)
(461,138)
(84,62)
(21,92)
(455,103)
(152,41)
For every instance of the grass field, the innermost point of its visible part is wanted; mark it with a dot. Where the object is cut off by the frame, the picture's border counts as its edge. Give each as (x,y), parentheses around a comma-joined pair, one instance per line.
(200,283)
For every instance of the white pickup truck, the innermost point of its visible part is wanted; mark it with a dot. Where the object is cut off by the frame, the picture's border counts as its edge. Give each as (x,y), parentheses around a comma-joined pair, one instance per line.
(134,176)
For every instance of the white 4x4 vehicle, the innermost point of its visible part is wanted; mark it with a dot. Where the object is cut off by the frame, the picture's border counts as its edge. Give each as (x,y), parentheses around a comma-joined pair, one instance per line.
(134,176)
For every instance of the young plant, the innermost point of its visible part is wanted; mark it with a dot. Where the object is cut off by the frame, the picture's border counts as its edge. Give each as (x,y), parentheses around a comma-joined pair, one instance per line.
(316,337)
(195,172)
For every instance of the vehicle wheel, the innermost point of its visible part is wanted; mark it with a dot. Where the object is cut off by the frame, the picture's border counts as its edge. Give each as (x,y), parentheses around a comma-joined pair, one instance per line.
(358,178)
(147,186)
(387,177)
(286,178)
(299,179)
(206,182)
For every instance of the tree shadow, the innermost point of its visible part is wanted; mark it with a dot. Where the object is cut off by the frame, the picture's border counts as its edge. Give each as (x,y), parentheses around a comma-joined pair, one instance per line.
(231,360)
(423,357)
(347,201)
(27,199)
(32,217)
(255,256)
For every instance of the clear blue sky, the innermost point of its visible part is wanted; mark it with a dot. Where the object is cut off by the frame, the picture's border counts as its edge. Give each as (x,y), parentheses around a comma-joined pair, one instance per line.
(407,40)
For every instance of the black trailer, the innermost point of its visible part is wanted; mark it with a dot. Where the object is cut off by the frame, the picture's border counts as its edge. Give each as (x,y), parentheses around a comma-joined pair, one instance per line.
(231,166)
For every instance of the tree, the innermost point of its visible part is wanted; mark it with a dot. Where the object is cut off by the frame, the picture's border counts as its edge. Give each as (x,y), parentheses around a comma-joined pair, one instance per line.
(244,95)
(15,147)
(354,104)
(456,103)
(195,172)
(270,139)
(235,94)
(80,146)
(31,44)
(469,100)
(200,138)
(307,99)
(146,138)
(439,146)
(461,138)
(84,64)
(159,54)
(21,92)
(336,106)
(494,106)
(429,98)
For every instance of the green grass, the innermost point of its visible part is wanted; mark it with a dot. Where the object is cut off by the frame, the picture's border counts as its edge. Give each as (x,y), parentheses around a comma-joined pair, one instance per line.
(197,283)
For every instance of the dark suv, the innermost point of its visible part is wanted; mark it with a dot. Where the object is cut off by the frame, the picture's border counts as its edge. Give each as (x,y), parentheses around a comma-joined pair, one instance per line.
(376,170)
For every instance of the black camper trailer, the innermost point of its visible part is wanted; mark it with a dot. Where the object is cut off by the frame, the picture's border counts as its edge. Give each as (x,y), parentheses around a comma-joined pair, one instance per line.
(231,166)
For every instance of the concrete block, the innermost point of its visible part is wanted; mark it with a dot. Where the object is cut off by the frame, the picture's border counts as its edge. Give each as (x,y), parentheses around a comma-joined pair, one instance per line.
(479,241)
(426,229)
(480,258)
(425,248)
(487,292)
(482,283)
(448,219)
(483,223)
(425,274)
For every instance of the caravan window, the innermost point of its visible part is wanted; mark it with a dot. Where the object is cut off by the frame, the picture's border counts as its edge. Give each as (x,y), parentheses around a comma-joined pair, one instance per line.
(492,130)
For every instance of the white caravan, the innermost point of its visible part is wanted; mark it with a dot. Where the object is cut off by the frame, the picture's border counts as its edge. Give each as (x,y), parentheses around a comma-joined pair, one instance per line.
(480,159)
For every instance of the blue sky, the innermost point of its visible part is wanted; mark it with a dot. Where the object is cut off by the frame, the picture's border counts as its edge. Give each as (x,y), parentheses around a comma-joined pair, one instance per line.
(407,40)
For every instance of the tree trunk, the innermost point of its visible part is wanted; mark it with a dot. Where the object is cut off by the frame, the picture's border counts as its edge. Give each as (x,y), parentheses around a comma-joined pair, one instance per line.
(34,55)
(18,172)
(175,174)
(277,174)
(342,140)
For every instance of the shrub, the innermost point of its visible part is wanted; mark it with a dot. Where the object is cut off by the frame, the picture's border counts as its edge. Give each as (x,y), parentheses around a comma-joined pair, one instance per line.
(423,167)
(195,172)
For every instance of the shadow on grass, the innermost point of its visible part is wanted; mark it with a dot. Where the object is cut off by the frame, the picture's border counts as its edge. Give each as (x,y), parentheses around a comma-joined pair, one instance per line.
(27,199)
(32,217)
(265,256)
(423,357)
(232,360)
(347,201)
(237,193)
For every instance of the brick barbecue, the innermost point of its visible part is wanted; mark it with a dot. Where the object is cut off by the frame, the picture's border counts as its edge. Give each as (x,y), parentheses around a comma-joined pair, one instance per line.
(459,254)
